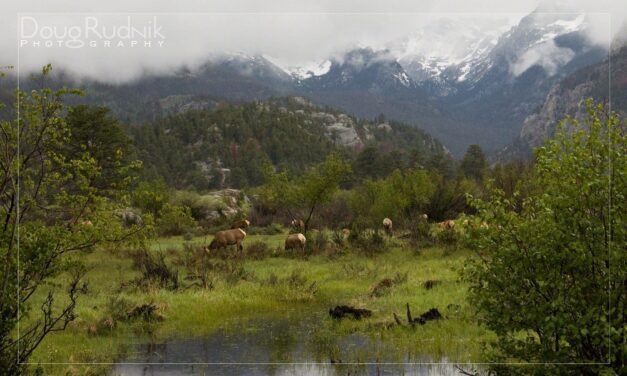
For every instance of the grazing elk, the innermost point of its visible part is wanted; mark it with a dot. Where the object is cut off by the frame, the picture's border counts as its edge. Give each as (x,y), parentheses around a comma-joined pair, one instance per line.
(387,226)
(449,224)
(295,241)
(224,238)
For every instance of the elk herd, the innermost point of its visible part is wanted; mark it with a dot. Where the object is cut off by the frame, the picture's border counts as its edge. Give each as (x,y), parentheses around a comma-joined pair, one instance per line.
(296,240)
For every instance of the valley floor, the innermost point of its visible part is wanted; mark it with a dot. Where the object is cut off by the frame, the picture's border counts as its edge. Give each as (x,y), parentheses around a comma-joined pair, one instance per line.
(244,295)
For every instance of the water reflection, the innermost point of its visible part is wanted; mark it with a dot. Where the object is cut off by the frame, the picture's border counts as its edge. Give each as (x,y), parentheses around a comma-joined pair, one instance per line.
(267,347)
(287,369)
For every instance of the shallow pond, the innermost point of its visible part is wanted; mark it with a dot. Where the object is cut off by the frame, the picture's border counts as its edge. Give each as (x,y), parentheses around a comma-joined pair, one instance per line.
(298,343)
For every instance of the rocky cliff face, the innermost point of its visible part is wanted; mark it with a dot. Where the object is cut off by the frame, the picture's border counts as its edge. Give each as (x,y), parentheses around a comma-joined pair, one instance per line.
(603,82)
(559,103)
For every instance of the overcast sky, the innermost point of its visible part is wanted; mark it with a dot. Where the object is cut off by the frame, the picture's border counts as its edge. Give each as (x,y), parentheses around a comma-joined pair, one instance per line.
(187,32)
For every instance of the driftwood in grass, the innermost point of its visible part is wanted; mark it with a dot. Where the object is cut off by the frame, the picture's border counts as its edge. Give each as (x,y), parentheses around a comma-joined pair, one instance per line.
(342,311)
(432,314)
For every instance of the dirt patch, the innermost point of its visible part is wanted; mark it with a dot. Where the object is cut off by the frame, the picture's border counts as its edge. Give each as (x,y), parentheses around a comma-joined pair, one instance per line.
(385,285)
(382,288)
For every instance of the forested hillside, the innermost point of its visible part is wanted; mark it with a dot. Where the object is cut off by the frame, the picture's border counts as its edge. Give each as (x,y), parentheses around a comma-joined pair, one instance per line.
(233,144)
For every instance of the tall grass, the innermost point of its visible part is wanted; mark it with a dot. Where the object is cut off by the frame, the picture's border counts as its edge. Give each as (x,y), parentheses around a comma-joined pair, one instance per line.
(243,289)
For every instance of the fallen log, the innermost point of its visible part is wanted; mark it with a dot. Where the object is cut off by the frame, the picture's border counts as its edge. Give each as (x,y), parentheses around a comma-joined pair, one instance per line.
(342,311)
(432,314)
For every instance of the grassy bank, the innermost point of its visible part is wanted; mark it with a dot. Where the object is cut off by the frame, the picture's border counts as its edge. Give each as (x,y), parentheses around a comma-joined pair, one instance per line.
(271,287)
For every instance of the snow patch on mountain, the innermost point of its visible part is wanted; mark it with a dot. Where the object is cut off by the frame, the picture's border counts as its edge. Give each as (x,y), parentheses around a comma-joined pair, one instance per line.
(302,71)
(309,70)
(448,42)
(561,27)
(403,78)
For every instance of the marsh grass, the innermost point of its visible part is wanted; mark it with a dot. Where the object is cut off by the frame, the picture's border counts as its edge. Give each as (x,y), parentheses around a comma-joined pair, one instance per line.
(246,289)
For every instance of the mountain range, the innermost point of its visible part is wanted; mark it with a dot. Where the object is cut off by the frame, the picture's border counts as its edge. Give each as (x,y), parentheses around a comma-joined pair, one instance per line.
(478,89)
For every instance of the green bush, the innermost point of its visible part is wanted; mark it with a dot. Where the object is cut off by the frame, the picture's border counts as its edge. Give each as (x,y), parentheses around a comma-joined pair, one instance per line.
(258,250)
(150,197)
(420,233)
(319,242)
(175,220)
(550,281)
(397,197)
(154,270)
(271,229)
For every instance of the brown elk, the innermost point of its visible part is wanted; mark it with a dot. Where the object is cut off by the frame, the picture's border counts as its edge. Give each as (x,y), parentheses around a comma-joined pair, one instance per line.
(295,241)
(387,226)
(224,238)
(449,224)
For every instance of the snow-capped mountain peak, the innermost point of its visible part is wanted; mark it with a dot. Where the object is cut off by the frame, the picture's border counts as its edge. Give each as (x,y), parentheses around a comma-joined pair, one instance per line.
(310,70)
(435,52)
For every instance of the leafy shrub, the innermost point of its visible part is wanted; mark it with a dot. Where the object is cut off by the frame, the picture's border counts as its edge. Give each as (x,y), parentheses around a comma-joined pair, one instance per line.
(420,233)
(115,310)
(335,213)
(150,197)
(270,229)
(154,270)
(543,282)
(175,220)
(319,242)
(397,196)
(147,312)
(258,250)
(447,238)
(338,238)
(366,241)
(117,307)
(234,272)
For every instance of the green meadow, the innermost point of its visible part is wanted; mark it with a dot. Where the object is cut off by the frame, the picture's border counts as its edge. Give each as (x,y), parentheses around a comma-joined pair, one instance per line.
(244,290)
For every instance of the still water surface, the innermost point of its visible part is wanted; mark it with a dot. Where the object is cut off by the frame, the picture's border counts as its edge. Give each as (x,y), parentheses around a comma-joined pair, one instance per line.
(280,346)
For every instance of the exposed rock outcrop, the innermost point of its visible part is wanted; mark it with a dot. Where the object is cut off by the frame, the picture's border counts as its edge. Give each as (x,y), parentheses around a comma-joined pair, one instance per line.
(568,98)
